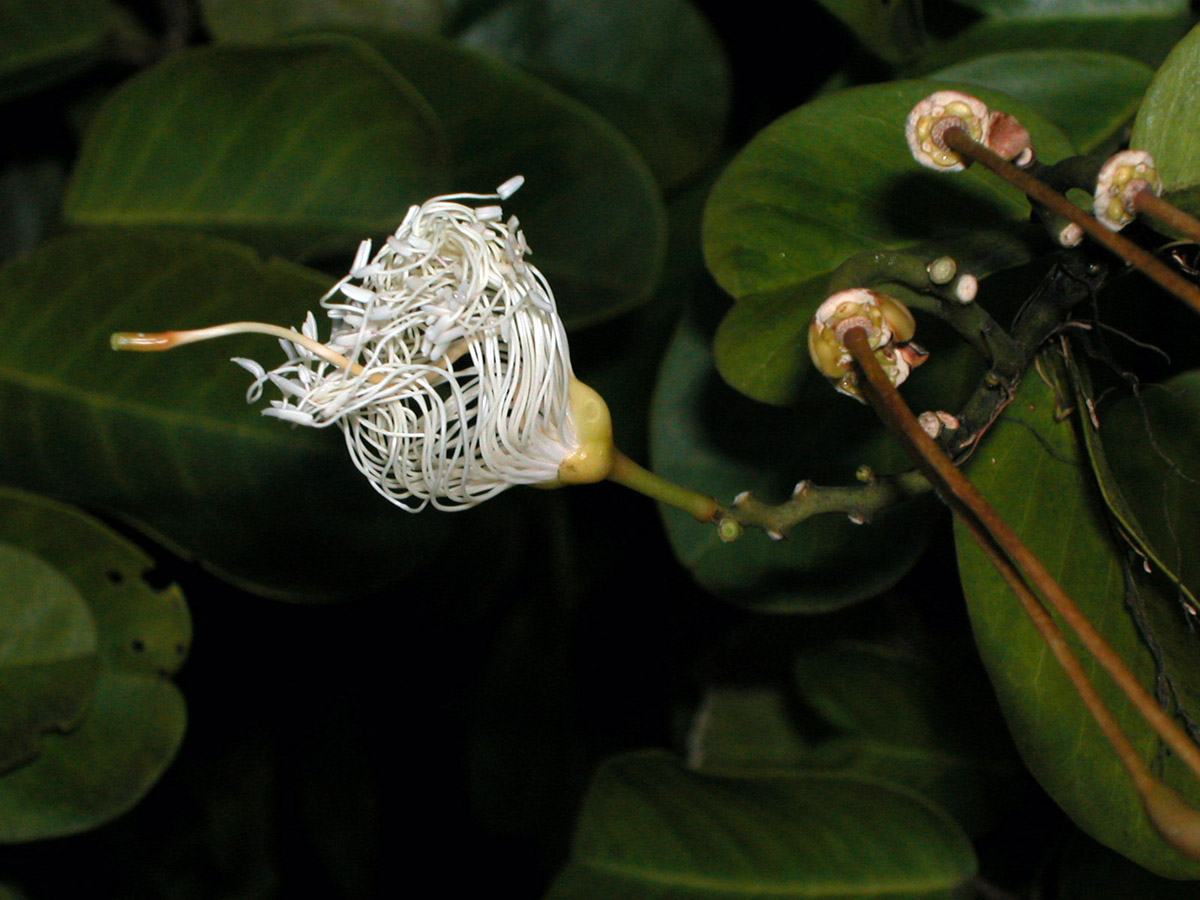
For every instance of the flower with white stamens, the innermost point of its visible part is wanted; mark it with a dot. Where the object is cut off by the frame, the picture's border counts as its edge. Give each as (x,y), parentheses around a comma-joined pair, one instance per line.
(446,366)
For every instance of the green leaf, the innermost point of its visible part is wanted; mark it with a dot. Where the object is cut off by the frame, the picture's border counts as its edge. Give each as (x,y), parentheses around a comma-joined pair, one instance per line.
(44,43)
(1054,82)
(651,829)
(1150,442)
(1031,469)
(589,207)
(48,655)
(1168,124)
(1144,457)
(654,68)
(746,728)
(892,31)
(136,718)
(802,703)
(914,722)
(830,180)
(265,20)
(1142,29)
(297,149)
(1151,483)
(167,439)
(709,438)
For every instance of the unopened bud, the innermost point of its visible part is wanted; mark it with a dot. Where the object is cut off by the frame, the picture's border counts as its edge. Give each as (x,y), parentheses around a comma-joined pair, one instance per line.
(889,327)
(936,114)
(729,530)
(942,270)
(1121,179)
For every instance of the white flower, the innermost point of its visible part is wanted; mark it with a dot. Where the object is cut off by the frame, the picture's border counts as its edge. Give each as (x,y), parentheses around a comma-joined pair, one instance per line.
(446,366)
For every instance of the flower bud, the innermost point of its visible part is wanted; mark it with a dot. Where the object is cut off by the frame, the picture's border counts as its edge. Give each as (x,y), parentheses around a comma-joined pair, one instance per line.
(936,114)
(1121,178)
(889,327)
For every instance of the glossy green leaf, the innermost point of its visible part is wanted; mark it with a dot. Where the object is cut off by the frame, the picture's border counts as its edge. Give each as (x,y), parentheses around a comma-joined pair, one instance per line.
(296,149)
(708,438)
(832,179)
(43,43)
(47,656)
(746,728)
(651,829)
(1055,83)
(1032,470)
(265,20)
(1168,124)
(168,440)
(1149,472)
(1150,443)
(589,207)
(860,709)
(1145,460)
(1142,29)
(139,635)
(654,68)
(914,722)
(892,31)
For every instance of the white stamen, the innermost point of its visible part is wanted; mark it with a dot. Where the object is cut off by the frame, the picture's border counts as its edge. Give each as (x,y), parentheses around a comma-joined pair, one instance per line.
(454,371)
(510,187)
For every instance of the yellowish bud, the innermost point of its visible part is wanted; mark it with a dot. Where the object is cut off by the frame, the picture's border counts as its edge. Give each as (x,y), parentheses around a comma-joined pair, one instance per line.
(889,326)
(593,461)
(938,112)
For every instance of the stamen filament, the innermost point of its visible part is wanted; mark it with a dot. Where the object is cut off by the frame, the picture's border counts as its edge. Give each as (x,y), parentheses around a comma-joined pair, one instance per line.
(167,340)
(148,342)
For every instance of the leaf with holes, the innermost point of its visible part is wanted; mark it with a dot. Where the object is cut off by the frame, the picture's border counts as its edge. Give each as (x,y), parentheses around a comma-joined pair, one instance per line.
(168,440)
(131,637)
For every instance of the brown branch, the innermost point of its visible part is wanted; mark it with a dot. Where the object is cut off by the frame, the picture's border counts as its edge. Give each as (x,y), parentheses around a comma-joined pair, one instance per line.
(1149,204)
(958,140)
(1019,567)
